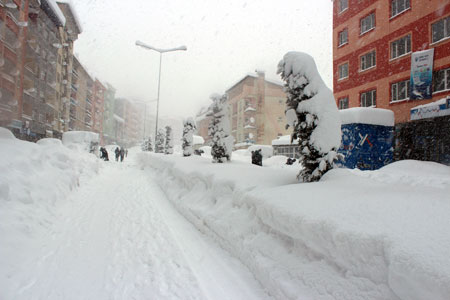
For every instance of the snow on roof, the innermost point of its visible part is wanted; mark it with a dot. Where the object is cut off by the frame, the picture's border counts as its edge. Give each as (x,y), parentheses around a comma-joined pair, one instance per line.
(74,13)
(198,140)
(254,76)
(284,140)
(57,11)
(434,109)
(367,115)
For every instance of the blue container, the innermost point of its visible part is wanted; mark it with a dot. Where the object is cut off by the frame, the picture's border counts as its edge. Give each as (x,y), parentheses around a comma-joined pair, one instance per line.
(366,146)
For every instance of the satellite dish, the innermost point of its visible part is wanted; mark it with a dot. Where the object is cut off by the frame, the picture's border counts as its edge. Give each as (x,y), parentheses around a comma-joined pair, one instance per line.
(250,135)
(252,120)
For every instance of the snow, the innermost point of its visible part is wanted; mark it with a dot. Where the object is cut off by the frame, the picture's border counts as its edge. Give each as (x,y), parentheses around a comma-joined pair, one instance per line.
(284,140)
(296,66)
(34,182)
(434,109)
(367,115)
(266,150)
(59,14)
(72,230)
(74,13)
(198,140)
(79,137)
(354,235)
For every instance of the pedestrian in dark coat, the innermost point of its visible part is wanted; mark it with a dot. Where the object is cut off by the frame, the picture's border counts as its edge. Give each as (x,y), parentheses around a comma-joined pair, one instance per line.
(122,154)
(117,152)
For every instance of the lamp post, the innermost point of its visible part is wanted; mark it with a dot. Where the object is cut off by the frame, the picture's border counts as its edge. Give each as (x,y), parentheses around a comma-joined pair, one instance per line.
(145,114)
(161,51)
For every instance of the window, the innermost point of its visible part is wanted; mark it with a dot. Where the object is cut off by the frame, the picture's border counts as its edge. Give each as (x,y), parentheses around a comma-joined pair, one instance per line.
(368,60)
(343,5)
(369,99)
(343,71)
(441,80)
(398,6)
(440,30)
(343,103)
(367,23)
(343,37)
(401,46)
(400,91)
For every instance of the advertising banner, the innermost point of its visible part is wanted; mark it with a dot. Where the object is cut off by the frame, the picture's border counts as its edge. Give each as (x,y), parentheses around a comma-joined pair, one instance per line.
(421,74)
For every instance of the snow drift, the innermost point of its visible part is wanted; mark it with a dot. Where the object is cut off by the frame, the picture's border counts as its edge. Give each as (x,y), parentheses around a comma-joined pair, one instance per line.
(353,235)
(35,180)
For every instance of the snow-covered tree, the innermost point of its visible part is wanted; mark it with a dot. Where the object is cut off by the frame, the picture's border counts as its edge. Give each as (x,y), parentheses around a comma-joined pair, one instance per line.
(168,148)
(311,111)
(188,136)
(159,147)
(220,130)
(147,144)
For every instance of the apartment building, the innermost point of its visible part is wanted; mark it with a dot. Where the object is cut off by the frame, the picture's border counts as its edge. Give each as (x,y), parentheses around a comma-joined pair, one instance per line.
(80,107)
(35,63)
(375,43)
(13,22)
(256,107)
(98,108)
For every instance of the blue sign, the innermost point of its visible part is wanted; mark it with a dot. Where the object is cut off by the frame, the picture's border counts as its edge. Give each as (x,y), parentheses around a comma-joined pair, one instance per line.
(421,74)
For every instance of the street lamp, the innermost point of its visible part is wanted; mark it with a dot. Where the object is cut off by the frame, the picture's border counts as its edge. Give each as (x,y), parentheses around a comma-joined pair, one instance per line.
(145,114)
(161,51)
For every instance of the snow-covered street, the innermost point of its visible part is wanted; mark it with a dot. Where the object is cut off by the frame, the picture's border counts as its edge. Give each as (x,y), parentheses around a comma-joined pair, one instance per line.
(118,237)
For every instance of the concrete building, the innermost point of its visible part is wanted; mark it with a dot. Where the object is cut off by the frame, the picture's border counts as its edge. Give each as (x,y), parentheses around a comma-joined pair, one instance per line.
(256,107)
(98,108)
(373,42)
(108,114)
(68,35)
(80,98)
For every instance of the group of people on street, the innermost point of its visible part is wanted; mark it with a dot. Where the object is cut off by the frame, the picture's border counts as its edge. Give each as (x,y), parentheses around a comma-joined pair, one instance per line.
(120,153)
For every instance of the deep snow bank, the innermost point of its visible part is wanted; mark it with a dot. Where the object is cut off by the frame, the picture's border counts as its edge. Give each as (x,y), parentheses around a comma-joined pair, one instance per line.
(353,235)
(35,180)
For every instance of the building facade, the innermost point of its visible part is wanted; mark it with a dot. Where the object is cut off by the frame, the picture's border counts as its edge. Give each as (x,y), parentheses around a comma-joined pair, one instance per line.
(256,107)
(13,23)
(35,63)
(98,108)
(80,98)
(373,41)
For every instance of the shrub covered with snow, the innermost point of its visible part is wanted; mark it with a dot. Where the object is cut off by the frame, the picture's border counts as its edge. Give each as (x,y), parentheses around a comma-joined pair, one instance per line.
(147,144)
(220,130)
(168,148)
(188,136)
(160,137)
(312,113)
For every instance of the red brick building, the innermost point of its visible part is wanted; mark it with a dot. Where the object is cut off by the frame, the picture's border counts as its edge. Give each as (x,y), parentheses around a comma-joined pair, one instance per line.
(372,45)
(13,20)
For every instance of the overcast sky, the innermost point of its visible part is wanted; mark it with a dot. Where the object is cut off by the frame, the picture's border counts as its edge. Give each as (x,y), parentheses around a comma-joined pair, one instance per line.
(226,39)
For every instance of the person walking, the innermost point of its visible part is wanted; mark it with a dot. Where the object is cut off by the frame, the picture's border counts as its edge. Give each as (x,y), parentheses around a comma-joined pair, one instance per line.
(126,152)
(117,152)
(122,153)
